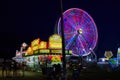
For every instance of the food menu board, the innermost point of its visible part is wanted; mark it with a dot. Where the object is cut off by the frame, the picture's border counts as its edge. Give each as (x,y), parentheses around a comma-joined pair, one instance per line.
(44,51)
(56,51)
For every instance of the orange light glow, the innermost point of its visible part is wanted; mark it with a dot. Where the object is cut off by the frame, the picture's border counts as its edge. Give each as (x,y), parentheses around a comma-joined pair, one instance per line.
(29,51)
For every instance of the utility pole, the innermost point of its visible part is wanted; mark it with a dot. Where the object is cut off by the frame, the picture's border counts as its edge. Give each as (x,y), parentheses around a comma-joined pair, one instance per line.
(63,41)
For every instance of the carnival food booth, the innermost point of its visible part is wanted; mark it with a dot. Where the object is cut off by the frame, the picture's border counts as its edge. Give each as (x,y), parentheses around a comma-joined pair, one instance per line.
(41,53)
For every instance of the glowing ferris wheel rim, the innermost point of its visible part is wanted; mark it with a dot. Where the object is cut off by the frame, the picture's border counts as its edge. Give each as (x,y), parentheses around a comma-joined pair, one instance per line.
(80,31)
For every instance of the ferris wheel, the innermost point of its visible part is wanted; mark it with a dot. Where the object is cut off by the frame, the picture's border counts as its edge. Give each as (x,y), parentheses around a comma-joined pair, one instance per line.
(80,31)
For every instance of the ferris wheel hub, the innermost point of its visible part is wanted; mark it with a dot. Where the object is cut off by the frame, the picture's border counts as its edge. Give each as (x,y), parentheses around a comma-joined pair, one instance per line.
(80,31)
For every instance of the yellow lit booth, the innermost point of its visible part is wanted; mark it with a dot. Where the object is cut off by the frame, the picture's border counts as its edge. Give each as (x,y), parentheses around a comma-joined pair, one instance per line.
(55,46)
(42,52)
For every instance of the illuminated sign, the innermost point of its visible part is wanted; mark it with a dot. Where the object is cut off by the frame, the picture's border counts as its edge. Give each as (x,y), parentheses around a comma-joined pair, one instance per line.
(54,45)
(55,42)
(43,45)
(108,54)
(60,51)
(55,38)
(35,42)
(56,51)
(44,51)
(56,59)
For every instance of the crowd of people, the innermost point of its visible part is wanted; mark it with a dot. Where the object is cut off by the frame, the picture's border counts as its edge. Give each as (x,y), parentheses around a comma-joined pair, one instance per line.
(52,73)
(56,71)
(10,68)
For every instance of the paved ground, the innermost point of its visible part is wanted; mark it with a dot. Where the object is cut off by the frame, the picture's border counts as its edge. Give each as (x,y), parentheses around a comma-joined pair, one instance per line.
(92,73)
(28,75)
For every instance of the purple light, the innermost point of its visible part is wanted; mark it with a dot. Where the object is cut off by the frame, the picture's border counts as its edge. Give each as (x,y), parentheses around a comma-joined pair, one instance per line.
(80,31)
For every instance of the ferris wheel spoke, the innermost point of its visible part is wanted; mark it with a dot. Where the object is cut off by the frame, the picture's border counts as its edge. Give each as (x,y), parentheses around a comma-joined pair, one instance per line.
(85,40)
(72,24)
(82,20)
(71,41)
(70,33)
(80,42)
(76,21)
(83,47)
(69,30)
(90,37)
(88,43)
(68,36)
(71,21)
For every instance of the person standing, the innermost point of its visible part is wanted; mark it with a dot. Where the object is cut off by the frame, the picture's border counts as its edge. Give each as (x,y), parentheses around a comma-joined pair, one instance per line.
(15,69)
(23,68)
(3,68)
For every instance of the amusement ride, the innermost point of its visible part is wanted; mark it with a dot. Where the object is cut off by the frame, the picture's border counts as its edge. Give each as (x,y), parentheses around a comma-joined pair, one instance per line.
(80,33)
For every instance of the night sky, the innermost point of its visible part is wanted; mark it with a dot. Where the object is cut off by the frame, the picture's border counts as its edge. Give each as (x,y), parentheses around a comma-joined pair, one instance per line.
(25,20)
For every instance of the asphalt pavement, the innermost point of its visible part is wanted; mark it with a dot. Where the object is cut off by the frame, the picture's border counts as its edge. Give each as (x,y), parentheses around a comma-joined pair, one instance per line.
(92,73)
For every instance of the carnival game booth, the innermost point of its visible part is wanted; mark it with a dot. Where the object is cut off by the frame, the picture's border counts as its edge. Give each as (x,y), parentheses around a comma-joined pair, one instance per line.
(42,53)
